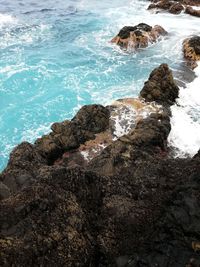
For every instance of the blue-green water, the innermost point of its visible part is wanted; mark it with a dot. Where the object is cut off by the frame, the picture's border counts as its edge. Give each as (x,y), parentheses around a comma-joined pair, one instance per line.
(55,56)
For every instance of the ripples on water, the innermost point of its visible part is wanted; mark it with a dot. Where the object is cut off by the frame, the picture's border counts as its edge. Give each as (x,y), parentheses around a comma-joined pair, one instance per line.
(56,56)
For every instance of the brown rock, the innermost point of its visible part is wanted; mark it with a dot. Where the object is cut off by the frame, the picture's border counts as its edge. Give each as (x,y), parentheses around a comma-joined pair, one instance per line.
(164,4)
(190,10)
(191,50)
(138,36)
(176,8)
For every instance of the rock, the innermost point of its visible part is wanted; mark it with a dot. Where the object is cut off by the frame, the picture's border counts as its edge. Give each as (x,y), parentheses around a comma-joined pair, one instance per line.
(68,135)
(92,118)
(147,139)
(131,206)
(160,87)
(192,11)
(4,191)
(51,225)
(140,217)
(164,4)
(25,160)
(176,8)
(191,50)
(138,36)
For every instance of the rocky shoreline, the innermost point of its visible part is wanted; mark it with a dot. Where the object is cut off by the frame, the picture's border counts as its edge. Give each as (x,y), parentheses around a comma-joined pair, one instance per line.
(85,196)
(176,7)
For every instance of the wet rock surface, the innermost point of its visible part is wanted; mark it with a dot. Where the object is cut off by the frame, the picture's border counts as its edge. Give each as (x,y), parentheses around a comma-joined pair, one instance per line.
(191,50)
(131,205)
(176,7)
(138,36)
(194,12)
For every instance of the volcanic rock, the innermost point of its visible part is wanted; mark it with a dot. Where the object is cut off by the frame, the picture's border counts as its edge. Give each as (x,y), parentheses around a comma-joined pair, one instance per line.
(191,50)
(160,86)
(131,206)
(138,36)
(176,8)
(90,119)
(192,11)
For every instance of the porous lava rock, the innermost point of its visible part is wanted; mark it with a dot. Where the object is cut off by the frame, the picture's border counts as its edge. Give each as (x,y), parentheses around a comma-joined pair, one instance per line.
(160,86)
(176,7)
(89,120)
(132,205)
(191,50)
(138,36)
(26,159)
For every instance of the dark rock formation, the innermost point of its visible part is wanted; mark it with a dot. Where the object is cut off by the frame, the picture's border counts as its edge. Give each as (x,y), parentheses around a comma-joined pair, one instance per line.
(67,135)
(146,216)
(176,7)
(23,165)
(160,86)
(162,5)
(131,206)
(191,50)
(26,159)
(138,36)
(194,12)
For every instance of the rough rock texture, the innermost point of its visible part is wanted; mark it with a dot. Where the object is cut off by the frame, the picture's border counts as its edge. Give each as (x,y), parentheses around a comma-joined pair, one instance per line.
(138,36)
(132,206)
(149,136)
(26,159)
(166,5)
(176,7)
(160,86)
(192,11)
(67,135)
(22,168)
(146,216)
(191,50)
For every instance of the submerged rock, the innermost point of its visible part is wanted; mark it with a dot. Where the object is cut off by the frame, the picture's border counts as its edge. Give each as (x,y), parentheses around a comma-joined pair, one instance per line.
(138,36)
(191,50)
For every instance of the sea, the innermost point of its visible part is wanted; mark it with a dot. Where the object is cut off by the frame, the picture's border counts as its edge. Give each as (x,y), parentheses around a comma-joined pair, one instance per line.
(56,56)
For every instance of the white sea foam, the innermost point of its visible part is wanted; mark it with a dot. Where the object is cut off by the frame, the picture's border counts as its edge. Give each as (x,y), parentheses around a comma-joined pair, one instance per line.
(185,133)
(22,35)
(6,19)
(33,133)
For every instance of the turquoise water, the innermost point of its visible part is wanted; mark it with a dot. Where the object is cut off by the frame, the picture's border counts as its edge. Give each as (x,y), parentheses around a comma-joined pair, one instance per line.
(56,56)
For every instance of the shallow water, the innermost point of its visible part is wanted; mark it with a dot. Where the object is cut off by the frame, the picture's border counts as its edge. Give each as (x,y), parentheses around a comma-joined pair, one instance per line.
(55,56)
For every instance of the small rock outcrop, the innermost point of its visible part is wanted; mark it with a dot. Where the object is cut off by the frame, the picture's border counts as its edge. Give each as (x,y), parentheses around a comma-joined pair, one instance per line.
(194,12)
(191,50)
(176,7)
(68,135)
(138,36)
(160,86)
